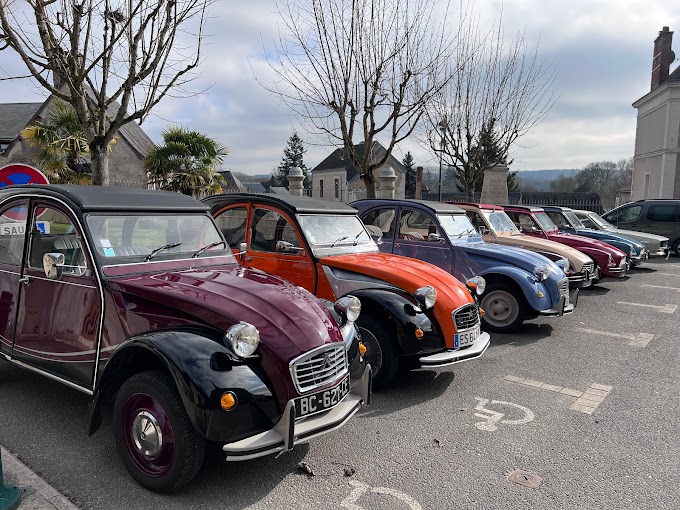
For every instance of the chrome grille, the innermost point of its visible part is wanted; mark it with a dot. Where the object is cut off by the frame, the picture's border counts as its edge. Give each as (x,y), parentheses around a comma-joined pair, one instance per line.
(466,317)
(588,266)
(563,287)
(319,367)
(663,244)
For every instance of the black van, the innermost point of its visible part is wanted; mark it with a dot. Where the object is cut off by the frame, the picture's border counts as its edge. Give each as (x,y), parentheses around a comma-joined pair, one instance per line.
(656,216)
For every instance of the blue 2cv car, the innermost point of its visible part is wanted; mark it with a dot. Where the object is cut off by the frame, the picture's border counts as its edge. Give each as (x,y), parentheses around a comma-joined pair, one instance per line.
(517,284)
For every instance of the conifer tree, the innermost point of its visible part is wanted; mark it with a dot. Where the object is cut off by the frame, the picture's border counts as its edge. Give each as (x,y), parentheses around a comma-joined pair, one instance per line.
(292,156)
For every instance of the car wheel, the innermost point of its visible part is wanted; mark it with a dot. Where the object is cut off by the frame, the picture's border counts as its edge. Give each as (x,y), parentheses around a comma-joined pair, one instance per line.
(504,309)
(381,351)
(155,439)
(676,248)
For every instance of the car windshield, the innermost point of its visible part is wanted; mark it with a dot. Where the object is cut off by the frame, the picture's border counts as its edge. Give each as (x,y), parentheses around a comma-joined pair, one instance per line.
(573,219)
(335,233)
(545,222)
(599,220)
(500,222)
(457,225)
(127,238)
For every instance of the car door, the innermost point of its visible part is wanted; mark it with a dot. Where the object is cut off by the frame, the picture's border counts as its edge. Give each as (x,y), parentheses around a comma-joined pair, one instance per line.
(233,222)
(12,241)
(276,246)
(413,238)
(383,218)
(661,219)
(59,316)
(626,217)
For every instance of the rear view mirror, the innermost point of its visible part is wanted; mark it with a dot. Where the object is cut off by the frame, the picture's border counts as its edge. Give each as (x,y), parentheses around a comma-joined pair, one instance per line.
(286,247)
(53,265)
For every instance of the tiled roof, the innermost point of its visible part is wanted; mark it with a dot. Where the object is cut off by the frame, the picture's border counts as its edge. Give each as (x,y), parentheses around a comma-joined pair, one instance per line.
(675,75)
(338,160)
(14,117)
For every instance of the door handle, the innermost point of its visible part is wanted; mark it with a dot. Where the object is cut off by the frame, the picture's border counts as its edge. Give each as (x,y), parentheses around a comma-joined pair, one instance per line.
(398,245)
(248,259)
(25,280)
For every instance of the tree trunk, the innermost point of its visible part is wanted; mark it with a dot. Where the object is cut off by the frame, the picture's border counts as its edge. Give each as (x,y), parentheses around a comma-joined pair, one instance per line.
(369,182)
(99,156)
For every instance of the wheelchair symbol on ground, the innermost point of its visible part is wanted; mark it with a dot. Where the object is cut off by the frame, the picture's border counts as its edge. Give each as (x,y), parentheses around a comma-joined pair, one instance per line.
(494,418)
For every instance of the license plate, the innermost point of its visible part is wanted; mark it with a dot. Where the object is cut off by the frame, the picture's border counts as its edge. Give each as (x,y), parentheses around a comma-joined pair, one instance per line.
(466,338)
(321,401)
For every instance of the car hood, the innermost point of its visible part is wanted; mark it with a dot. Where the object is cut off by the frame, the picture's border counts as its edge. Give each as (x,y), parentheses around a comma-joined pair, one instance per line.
(641,237)
(579,242)
(490,254)
(409,274)
(291,321)
(605,236)
(575,257)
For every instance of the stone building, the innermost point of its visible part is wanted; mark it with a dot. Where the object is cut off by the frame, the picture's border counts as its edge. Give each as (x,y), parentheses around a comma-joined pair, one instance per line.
(125,161)
(656,171)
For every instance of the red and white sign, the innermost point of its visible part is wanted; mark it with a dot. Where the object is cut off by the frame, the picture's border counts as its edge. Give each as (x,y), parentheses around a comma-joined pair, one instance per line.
(18,173)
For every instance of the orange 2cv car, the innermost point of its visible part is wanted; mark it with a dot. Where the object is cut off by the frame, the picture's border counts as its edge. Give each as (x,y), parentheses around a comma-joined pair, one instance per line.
(410,310)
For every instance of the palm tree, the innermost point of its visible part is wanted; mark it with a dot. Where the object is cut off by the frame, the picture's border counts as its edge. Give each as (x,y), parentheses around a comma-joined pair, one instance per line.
(186,162)
(63,148)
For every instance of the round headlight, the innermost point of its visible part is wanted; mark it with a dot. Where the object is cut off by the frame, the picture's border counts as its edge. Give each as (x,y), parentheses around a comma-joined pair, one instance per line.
(563,264)
(349,307)
(244,338)
(426,296)
(542,272)
(476,284)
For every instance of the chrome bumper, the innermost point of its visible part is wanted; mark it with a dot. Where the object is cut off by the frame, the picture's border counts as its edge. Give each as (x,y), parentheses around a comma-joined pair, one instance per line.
(636,261)
(287,432)
(562,308)
(661,252)
(451,356)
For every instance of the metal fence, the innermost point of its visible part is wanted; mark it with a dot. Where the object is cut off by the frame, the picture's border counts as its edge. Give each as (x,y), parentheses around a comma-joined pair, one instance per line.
(587,201)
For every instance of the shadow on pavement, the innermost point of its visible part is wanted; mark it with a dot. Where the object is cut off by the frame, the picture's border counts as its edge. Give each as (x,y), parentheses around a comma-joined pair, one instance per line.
(528,333)
(593,290)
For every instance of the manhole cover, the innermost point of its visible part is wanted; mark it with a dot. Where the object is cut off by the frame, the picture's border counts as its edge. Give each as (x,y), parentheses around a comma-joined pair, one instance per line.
(525,478)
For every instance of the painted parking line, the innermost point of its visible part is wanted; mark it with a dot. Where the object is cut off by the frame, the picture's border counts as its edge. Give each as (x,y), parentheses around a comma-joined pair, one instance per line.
(677,289)
(639,340)
(669,274)
(586,401)
(661,309)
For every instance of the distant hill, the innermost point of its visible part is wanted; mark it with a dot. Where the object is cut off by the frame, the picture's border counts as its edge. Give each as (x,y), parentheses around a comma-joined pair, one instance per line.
(540,179)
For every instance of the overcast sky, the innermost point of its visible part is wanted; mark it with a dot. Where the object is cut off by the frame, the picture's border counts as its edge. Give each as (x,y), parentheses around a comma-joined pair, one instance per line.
(602,50)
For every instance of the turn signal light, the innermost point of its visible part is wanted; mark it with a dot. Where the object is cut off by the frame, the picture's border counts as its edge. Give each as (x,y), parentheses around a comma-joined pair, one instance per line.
(540,294)
(419,333)
(481,312)
(228,401)
(362,348)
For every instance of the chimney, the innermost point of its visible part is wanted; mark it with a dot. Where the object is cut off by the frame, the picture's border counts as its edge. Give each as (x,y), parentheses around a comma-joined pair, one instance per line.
(419,182)
(663,58)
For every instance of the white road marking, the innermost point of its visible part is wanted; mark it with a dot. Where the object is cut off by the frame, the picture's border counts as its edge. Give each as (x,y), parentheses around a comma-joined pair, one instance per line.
(586,401)
(639,340)
(668,274)
(661,287)
(661,309)
(493,418)
(350,502)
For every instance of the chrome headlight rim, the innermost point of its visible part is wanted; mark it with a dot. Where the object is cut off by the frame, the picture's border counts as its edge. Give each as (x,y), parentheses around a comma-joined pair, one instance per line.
(476,284)
(541,273)
(563,264)
(348,307)
(426,296)
(243,339)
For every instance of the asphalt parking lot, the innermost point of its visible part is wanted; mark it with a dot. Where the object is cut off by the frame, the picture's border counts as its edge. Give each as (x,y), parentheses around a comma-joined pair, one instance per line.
(588,404)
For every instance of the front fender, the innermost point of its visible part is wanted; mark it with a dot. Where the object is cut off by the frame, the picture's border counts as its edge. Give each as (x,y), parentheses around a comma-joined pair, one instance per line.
(401,310)
(203,369)
(527,283)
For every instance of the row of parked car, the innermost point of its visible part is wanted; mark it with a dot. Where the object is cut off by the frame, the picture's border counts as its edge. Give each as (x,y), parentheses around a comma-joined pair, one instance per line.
(261,321)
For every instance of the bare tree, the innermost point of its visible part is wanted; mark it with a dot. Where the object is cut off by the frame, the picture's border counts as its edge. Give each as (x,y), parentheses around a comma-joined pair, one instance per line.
(605,178)
(358,69)
(112,60)
(496,94)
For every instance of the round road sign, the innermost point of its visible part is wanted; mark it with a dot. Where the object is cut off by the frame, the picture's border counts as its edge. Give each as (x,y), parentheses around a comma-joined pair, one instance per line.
(18,173)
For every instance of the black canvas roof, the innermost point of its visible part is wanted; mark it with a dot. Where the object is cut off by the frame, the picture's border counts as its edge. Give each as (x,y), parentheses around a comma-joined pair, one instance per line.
(293,203)
(111,198)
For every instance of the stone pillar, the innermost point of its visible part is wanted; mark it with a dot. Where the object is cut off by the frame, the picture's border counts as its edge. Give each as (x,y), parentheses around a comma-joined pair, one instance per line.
(387,178)
(419,183)
(495,186)
(296,178)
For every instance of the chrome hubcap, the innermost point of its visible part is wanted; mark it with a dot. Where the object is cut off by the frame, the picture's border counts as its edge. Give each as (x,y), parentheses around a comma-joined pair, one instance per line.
(500,307)
(146,434)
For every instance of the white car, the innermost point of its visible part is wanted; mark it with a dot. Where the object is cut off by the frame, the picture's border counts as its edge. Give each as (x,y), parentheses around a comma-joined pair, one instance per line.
(657,246)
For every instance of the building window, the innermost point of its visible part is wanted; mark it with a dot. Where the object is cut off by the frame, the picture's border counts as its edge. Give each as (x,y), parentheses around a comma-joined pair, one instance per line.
(320,188)
(337,189)
(645,186)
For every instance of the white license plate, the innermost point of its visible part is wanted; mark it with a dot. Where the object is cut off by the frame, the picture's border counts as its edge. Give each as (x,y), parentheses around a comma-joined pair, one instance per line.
(466,338)
(321,401)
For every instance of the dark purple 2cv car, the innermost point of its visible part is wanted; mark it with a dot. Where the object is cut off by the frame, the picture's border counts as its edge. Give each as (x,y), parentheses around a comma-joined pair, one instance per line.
(134,296)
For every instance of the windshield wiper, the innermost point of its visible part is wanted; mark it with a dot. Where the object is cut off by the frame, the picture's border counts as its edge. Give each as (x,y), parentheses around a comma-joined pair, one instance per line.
(338,240)
(356,238)
(467,232)
(207,247)
(158,250)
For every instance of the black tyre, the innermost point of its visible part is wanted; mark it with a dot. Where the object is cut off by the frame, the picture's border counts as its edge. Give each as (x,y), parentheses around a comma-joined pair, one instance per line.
(381,349)
(504,308)
(676,248)
(155,439)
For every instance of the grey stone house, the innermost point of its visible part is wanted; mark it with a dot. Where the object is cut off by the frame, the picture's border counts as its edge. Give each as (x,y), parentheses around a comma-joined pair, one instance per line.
(125,161)
(335,178)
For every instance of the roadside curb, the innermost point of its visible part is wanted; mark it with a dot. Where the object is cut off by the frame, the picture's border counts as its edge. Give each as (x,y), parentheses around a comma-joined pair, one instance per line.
(36,493)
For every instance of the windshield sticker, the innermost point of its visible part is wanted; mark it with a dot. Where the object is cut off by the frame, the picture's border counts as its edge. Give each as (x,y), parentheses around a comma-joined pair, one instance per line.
(105,243)
(109,252)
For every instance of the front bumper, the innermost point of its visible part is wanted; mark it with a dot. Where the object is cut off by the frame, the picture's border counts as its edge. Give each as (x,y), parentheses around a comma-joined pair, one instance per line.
(451,356)
(616,271)
(564,306)
(582,280)
(288,432)
(636,261)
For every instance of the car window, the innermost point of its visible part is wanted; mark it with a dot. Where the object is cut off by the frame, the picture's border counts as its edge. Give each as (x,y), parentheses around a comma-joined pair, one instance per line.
(12,232)
(383,219)
(558,219)
(270,227)
(54,232)
(416,225)
(232,223)
(587,222)
(476,219)
(662,213)
(624,214)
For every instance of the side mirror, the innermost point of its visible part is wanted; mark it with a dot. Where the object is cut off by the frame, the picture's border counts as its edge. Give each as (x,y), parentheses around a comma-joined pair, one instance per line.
(242,248)
(435,238)
(53,265)
(286,247)
(377,238)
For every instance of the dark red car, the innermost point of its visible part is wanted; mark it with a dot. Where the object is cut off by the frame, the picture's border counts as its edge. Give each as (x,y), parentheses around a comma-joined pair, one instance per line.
(133,295)
(534,221)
